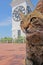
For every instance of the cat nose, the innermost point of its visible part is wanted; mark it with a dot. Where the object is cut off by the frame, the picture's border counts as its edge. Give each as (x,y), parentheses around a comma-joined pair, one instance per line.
(26,29)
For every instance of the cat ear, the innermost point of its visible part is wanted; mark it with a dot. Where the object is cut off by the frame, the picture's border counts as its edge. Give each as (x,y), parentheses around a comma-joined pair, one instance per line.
(37,14)
(22,15)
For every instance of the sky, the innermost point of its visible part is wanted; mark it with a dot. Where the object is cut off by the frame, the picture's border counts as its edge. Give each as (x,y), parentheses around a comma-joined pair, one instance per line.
(6,17)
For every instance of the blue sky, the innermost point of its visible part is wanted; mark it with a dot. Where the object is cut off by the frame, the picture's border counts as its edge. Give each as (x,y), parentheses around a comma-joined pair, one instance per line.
(5,18)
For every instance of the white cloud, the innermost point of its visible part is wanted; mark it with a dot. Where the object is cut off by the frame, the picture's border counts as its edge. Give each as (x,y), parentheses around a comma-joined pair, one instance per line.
(6,22)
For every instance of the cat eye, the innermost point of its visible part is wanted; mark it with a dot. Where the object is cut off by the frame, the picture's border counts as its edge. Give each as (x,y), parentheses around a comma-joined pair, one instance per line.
(33,19)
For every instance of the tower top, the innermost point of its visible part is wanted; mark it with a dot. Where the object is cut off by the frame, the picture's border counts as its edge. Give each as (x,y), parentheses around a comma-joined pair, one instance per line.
(17,2)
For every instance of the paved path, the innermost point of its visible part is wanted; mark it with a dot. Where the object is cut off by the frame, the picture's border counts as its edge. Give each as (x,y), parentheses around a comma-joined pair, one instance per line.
(12,54)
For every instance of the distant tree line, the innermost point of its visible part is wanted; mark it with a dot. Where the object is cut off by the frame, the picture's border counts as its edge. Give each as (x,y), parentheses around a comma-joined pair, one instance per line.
(20,39)
(6,40)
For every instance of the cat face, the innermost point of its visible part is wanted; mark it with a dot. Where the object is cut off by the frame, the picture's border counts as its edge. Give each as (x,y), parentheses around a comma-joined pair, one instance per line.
(32,22)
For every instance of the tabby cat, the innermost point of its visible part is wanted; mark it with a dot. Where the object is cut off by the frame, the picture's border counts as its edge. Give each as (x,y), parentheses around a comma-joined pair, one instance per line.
(32,26)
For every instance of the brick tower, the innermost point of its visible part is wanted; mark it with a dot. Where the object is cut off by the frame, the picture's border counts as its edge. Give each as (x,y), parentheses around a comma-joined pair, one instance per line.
(39,6)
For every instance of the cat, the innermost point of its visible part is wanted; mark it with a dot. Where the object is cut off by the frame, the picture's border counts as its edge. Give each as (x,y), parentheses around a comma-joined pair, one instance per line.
(32,26)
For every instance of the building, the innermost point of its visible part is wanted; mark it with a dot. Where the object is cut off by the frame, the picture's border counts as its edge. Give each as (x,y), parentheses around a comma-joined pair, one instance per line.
(25,6)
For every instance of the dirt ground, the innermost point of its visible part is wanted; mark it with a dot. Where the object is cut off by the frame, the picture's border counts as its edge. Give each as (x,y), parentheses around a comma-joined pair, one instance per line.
(12,54)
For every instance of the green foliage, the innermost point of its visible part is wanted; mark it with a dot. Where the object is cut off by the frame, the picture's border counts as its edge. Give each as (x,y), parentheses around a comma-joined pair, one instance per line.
(20,39)
(7,40)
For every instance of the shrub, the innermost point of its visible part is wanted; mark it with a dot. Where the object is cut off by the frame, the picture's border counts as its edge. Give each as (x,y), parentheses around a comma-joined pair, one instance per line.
(6,40)
(20,40)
